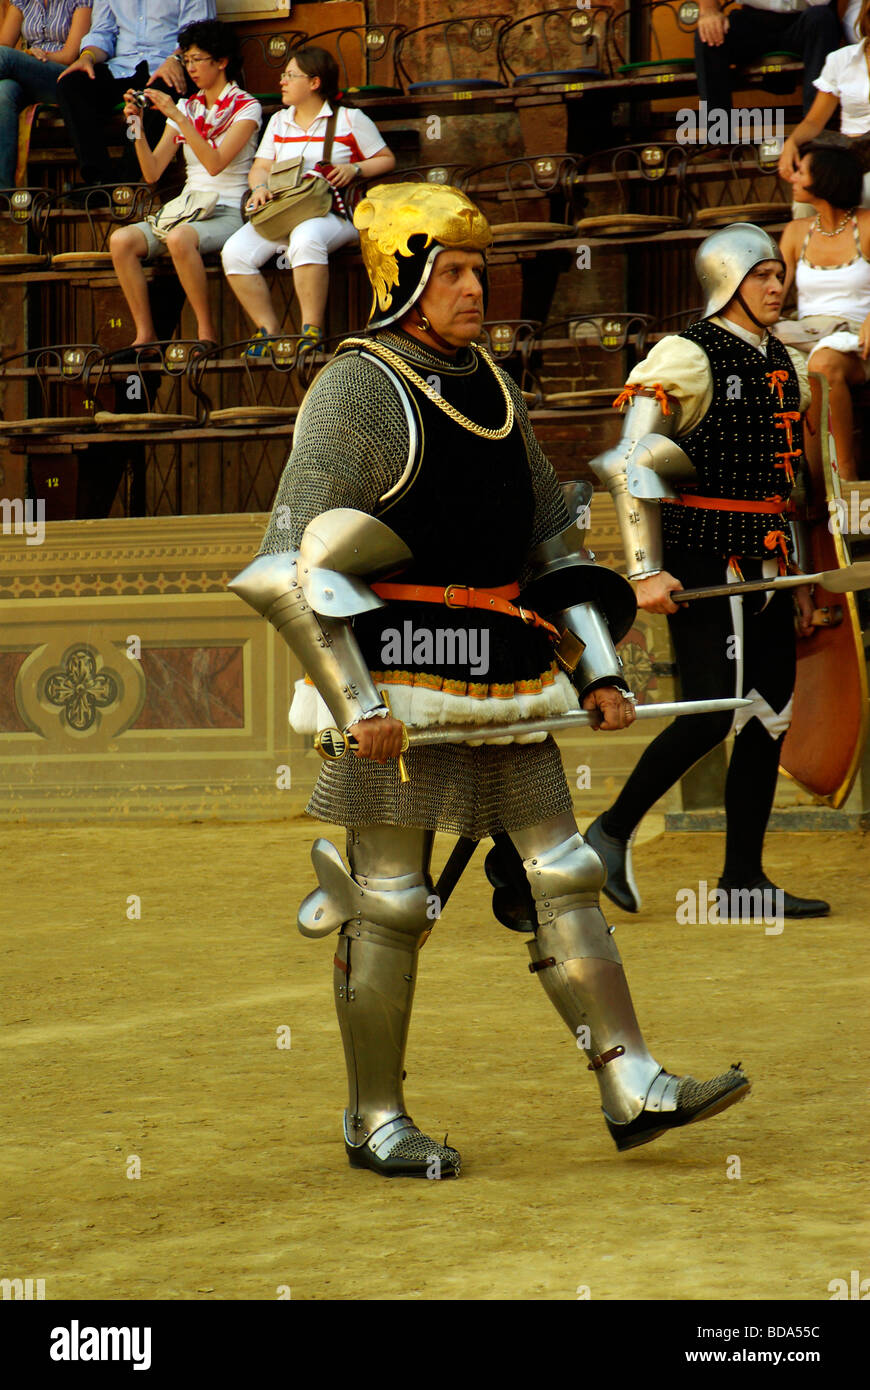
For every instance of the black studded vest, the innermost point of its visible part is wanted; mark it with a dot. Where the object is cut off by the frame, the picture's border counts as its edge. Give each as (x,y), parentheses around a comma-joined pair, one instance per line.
(745,447)
(466,511)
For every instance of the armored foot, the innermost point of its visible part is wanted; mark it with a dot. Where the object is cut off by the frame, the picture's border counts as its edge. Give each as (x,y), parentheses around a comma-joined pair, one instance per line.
(673,1101)
(400,1150)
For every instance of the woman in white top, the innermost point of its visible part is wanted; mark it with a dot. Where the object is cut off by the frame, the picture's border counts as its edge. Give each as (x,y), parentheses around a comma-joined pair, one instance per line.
(309,91)
(217,129)
(845,82)
(827,257)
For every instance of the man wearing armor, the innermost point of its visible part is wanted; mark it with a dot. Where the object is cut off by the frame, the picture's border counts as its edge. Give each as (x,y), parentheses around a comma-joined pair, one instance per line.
(733,396)
(413,452)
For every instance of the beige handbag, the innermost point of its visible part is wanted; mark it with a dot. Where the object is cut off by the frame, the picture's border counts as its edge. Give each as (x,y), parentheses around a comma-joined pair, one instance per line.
(194,206)
(296,197)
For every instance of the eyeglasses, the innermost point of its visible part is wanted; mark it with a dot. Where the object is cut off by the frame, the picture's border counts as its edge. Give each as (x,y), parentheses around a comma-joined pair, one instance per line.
(192,60)
(292,76)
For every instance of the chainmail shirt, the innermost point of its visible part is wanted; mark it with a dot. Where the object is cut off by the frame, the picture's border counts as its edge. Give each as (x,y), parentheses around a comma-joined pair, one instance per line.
(350,447)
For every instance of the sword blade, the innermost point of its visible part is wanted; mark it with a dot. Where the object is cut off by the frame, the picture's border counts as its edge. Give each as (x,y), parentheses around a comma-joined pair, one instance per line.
(462,733)
(840,581)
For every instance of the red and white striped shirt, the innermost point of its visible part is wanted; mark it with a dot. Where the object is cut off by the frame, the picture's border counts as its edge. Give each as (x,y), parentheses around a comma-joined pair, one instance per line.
(356,137)
(214,124)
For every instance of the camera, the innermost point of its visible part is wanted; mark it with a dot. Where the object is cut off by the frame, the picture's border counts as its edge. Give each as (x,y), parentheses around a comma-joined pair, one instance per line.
(139,99)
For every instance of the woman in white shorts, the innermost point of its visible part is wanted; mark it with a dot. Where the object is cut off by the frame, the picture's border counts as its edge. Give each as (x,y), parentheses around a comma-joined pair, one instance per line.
(217,129)
(827,257)
(845,82)
(309,91)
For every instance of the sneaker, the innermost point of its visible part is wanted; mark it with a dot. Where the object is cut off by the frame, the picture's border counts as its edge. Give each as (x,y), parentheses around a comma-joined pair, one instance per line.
(260,345)
(312,333)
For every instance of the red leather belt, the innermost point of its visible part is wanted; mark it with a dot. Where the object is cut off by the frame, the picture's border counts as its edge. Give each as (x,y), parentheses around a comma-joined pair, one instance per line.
(463,596)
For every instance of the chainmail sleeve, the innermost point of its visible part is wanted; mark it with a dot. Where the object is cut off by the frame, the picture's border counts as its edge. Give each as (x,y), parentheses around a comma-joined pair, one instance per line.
(551,514)
(350,446)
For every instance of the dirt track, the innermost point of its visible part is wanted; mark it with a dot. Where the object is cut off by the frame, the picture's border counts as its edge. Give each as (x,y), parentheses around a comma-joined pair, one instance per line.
(157,1038)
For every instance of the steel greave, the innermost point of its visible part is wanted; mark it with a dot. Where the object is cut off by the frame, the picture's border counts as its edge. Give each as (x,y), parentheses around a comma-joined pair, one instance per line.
(375,976)
(591,992)
(581,969)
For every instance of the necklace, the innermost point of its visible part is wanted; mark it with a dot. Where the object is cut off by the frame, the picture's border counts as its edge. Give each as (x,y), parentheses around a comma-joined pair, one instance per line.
(837,230)
(380,350)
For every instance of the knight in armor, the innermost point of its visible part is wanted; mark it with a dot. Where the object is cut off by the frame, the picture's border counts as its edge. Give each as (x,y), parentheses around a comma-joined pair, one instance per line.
(417,505)
(709,509)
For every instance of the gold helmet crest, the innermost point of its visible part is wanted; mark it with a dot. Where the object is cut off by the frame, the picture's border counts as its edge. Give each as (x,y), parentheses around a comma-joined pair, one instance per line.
(435,216)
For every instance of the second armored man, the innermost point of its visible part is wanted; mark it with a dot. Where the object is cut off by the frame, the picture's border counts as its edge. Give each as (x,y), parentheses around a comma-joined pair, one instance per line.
(717,412)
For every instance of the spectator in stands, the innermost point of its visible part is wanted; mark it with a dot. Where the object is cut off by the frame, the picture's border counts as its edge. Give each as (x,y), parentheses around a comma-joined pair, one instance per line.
(131,44)
(52,31)
(808,27)
(827,257)
(845,82)
(217,129)
(309,91)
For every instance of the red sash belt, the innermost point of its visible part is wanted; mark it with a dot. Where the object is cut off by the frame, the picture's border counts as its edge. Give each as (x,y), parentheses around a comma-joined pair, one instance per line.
(462,596)
(772,507)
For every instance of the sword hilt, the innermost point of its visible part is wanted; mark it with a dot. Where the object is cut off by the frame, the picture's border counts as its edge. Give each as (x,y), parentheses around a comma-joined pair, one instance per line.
(332,744)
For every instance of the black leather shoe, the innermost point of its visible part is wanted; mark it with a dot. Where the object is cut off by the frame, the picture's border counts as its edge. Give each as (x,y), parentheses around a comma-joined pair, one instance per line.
(775,901)
(689,1101)
(403,1151)
(615,855)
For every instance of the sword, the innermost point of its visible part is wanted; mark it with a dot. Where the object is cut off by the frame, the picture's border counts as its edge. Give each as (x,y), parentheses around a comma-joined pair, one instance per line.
(841,581)
(332,744)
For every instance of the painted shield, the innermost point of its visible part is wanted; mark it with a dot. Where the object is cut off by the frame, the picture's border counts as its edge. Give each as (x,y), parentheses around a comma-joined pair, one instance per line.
(825,744)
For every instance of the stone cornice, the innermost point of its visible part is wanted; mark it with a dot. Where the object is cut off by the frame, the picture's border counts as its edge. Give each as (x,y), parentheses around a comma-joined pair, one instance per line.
(136,555)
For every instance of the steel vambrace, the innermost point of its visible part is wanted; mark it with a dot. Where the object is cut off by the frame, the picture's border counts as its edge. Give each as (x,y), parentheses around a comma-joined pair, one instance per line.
(326,647)
(645,450)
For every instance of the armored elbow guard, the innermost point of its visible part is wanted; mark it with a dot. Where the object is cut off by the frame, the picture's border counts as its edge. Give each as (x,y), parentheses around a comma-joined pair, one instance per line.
(592,608)
(309,596)
(639,472)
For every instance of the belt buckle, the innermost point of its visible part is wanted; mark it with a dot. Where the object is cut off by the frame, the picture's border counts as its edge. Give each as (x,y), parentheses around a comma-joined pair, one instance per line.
(448,592)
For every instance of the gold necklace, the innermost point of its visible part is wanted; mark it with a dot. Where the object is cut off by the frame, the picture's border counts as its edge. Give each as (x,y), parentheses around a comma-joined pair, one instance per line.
(837,230)
(428,390)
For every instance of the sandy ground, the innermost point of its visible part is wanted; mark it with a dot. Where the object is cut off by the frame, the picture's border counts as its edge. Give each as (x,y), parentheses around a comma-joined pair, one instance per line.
(156,1039)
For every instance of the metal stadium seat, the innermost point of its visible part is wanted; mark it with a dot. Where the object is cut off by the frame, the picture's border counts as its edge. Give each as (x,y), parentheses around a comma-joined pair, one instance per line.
(56,369)
(287,366)
(547,181)
(104,209)
(556,46)
(464,46)
(643,185)
(364,52)
(142,371)
(28,209)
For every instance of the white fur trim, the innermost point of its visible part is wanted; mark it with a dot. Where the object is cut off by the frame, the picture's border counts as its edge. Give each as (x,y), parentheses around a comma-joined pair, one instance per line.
(420,708)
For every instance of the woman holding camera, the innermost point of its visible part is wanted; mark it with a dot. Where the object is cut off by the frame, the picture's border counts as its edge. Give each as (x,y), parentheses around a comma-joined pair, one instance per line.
(217,129)
(309,91)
